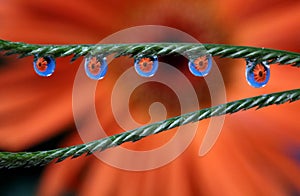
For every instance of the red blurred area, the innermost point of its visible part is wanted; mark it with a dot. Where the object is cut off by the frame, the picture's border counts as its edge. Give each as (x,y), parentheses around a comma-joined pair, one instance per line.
(251,157)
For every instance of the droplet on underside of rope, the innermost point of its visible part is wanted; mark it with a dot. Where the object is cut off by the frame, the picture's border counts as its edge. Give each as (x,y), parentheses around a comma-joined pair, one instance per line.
(95,67)
(44,66)
(146,66)
(257,73)
(201,65)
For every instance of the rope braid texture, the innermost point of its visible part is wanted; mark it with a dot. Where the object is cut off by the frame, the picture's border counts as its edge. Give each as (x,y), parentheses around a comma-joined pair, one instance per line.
(29,159)
(151,49)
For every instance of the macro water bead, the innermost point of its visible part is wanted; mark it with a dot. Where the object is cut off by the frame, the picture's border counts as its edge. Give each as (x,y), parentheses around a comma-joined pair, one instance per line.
(44,66)
(201,66)
(146,66)
(257,74)
(95,67)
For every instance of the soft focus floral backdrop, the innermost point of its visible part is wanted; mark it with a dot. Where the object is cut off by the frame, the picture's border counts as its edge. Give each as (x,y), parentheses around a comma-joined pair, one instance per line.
(257,153)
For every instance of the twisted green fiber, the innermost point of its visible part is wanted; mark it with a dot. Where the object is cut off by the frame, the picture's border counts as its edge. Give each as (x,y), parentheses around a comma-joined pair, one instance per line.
(28,159)
(159,49)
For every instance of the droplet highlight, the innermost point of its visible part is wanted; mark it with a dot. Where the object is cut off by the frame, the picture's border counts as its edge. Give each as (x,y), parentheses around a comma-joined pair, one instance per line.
(44,66)
(146,66)
(201,66)
(95,67)
(257,74)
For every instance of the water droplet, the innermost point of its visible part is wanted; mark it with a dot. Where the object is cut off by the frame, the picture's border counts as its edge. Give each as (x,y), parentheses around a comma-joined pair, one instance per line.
(44,66)
(201,66)
(257,74)
(146,66)
(95,67)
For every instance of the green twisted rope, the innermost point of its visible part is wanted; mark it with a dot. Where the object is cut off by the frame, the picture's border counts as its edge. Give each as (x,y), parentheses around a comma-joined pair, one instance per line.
(28,159)
(159,49)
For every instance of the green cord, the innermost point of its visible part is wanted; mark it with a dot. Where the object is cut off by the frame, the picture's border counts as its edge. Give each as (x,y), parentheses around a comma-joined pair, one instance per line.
(159,49)
(28,159)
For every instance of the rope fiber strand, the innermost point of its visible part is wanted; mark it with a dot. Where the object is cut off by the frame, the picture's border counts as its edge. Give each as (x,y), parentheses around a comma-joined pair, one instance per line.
(29,159)
(159,49)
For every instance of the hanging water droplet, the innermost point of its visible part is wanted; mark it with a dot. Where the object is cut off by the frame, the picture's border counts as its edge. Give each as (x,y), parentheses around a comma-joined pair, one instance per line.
(146,66)
(257,74)
(95,67)
(201,66)
(44,66)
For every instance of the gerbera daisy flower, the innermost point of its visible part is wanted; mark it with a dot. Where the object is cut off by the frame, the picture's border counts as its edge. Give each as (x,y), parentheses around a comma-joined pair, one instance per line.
(257,152)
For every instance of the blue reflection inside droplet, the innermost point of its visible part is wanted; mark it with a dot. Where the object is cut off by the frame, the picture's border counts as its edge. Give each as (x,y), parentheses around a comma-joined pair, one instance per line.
(44,66)
(146,66)
(257,74)
(95,67)
(201,66)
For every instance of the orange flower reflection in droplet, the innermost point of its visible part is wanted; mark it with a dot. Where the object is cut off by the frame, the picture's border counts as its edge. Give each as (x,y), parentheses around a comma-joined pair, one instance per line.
(250,157)
(201,63)
(260,73)
(42,64)
(94,66)
(146,64)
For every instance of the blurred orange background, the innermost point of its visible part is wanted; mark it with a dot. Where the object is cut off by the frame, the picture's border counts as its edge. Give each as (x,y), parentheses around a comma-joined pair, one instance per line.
(257,152)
